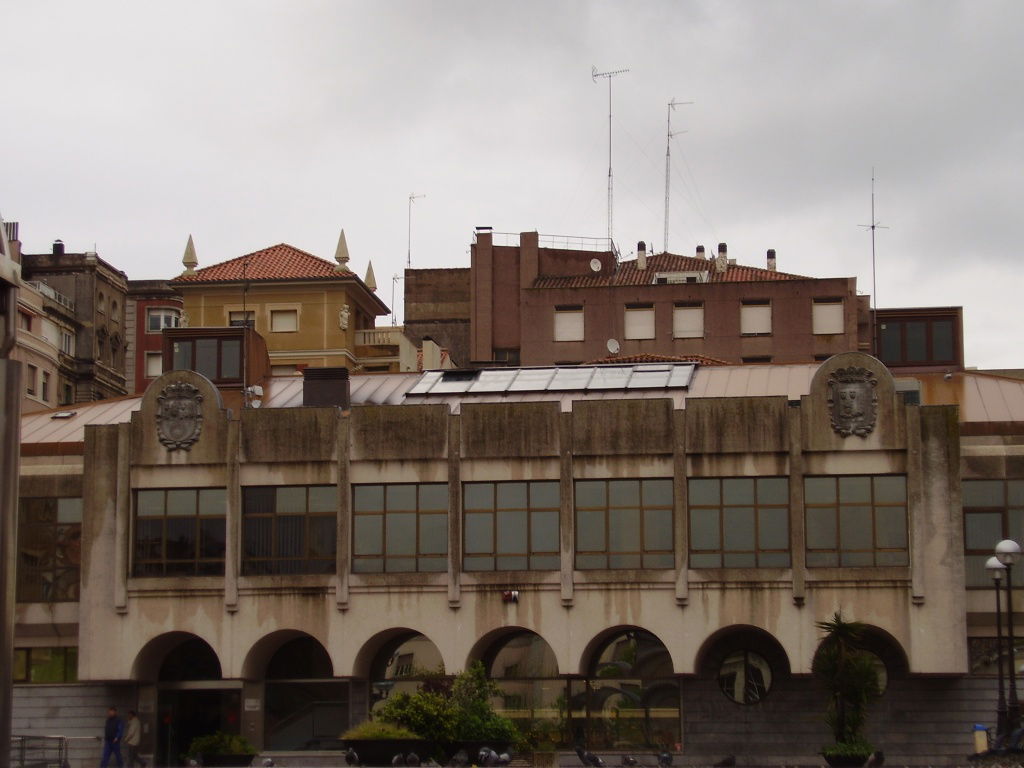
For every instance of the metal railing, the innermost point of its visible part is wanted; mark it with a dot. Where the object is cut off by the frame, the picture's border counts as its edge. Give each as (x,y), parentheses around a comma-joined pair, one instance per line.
(39,752)
(52,293)
(564,242)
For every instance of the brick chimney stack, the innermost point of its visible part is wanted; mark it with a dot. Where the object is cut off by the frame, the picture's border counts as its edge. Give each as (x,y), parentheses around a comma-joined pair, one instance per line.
(722,262)
(771,259)
(641,255)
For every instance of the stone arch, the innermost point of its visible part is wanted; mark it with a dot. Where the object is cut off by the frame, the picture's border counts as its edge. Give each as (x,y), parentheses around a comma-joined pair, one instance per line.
(263,651)
(543,661)
(887,648)
(728,640)
(152,657)
(646,663)
(387,642)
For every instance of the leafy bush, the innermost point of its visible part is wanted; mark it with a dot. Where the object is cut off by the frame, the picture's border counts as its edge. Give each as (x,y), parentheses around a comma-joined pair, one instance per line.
(464,714)
(378,729)
(220,743)
(850,679)
(856,748)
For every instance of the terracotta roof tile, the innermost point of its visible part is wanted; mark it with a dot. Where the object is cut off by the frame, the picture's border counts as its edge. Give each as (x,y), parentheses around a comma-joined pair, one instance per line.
(278,262)
(628,274)
(647,357)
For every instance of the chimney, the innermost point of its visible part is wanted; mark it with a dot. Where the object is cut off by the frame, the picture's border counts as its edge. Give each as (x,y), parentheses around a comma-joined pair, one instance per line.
(700,252)
(641,255)
(326,386)
(58,247)
(722,262)
(771,259)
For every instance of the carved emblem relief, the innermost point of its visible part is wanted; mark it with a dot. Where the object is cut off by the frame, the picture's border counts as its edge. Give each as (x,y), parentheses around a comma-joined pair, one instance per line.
(343,314)
(179,416)
(853,401)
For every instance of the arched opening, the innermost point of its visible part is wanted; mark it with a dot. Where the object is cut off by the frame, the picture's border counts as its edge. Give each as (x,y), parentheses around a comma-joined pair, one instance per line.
(192,697)
(401,660)
(305,707)
(629,697)
(888,657)
(745,662)
(532,694)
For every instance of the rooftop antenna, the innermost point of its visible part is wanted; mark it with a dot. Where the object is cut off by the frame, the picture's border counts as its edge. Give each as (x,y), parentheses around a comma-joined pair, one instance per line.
(594,74)
(394,284)
(412,197)
(668,161)
(873,226)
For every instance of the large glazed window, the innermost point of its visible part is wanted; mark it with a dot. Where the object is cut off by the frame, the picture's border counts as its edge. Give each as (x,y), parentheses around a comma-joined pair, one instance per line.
(218,359)
(400,527)
(158,318)
(179,532)
(624,524)
(289,529)
(510,526)
(993,511)
(739,522)
(49,549)
(45,665)
(856,520)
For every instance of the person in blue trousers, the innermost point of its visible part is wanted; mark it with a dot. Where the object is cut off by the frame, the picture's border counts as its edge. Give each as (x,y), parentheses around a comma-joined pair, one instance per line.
(113,730)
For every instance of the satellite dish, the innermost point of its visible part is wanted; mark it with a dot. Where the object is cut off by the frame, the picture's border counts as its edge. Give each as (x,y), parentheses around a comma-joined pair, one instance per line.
(595,265)
(613,346)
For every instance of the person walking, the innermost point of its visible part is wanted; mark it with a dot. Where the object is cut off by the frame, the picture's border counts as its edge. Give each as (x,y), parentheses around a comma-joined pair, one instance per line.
(113,730)
(132,737)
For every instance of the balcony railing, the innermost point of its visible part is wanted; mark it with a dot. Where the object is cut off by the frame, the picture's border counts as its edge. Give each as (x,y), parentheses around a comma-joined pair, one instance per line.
(50,293)
(378,337)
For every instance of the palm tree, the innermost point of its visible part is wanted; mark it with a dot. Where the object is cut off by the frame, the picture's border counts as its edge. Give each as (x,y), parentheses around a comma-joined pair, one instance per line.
(849,676)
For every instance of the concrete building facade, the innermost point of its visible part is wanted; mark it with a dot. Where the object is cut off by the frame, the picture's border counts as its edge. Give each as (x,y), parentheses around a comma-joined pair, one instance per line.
(638,554)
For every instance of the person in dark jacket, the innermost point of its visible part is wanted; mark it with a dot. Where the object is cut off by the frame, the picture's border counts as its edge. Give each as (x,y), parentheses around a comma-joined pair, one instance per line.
(113,730)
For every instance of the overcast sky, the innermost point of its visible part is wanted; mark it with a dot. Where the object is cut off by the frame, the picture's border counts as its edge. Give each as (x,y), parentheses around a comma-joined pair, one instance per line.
(131,125)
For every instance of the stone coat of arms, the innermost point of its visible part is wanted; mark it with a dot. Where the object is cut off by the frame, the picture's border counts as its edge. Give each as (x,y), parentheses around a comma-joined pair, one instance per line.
(853,401)
(179,415)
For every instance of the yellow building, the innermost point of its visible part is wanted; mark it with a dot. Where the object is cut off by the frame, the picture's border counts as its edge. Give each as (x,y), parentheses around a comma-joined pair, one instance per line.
(311,312)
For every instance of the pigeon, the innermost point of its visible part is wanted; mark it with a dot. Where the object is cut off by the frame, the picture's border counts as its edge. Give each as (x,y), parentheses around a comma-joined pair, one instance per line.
(487,757)
(351,758)
(504,759)
(589,758)
(412,759)
(876,760)
(726,762)
(193,763)
(398,760)
(664,760)
(460,759)
(268,763)
(628,761)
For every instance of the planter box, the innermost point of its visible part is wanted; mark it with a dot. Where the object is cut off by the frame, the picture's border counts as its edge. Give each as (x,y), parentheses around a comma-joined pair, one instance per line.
(226,761)
(846,761)
(378,752)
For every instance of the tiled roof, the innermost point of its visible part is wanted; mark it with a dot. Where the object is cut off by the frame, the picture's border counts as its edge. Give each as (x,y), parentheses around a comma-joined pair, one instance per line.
(628,274)
(647,357)
(278,262)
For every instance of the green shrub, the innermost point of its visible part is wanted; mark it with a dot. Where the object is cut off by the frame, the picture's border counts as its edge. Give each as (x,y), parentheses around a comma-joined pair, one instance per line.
(378,729)
(856,748)
(220,743)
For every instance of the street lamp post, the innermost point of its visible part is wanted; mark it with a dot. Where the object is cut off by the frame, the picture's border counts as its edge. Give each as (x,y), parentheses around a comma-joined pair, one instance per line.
(996,569)
(1008,552)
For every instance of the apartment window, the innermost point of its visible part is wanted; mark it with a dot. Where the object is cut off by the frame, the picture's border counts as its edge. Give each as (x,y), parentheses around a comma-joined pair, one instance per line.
(569,323)
(101,304)
(179,532)
(827,316)
(688,320)
(284,320)
(218,359)
(923,340)
(400,527)
(25,322)
(158,318)
(114,316)
(44,387)
(49,549)
(856,520)
(31,375)
(624,524)
(45,665)
(756,317)
(289,529)
(639,321)
(154,364)
(739,522)
(993,511)
(67,342)
(67,393)
(245,318)
(511,526)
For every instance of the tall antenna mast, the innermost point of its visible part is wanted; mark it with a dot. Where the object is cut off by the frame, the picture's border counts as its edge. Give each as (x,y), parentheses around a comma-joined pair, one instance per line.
(412,197)
(873,226)
(668,162)
(594,74)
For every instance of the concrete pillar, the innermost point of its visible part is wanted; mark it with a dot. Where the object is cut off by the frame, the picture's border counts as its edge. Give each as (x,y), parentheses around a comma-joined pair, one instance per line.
(10,441)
